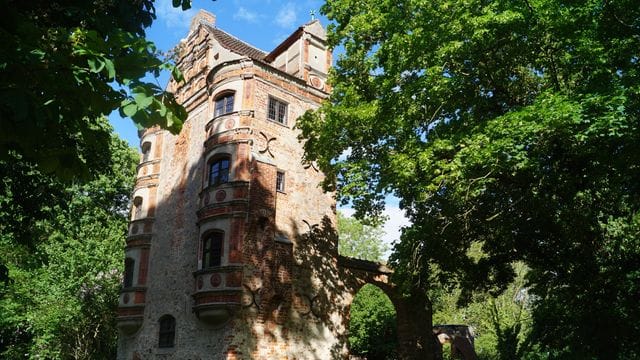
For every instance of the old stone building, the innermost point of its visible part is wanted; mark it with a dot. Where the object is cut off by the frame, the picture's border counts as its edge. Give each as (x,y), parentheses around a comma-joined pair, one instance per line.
(231,251)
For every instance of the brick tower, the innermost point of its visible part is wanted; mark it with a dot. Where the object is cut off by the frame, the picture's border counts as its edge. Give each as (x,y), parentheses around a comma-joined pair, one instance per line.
(216,266)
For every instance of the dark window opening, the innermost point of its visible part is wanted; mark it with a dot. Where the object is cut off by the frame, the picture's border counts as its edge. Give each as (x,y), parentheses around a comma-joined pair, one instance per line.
(212,249)
(129,265)
(137,207)
(224,104)
(280,181)
(146,151)
(277,111)
(167,333)
(219,172)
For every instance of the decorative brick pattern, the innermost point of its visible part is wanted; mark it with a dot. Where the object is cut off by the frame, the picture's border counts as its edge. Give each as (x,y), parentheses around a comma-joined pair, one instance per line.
(281,291)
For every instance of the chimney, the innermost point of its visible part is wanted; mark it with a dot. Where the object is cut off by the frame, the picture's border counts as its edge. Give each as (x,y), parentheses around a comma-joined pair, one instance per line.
(202,17)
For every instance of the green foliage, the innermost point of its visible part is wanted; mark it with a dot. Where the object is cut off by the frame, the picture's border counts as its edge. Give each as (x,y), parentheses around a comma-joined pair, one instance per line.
(372,327)
(66,64)
(501,324)
(513,125)
(359,240)
(65,260)
(372,324)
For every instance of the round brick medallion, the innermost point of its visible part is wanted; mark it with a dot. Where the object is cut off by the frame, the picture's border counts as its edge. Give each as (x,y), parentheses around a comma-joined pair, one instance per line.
(316,82)
(216,280)
(125,298)
(199,283)
(229,124)
(221,195)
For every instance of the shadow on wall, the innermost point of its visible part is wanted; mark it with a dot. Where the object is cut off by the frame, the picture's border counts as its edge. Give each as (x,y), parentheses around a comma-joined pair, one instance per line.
(269,296)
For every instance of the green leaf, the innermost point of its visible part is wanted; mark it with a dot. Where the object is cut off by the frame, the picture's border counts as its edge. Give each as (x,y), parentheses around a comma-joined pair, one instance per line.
(177,74)
(128,108)
(95,64)
(142,99)
(111,71)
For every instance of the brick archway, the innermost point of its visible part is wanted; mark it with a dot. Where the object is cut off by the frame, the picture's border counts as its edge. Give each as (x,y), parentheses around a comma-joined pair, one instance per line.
(413,312)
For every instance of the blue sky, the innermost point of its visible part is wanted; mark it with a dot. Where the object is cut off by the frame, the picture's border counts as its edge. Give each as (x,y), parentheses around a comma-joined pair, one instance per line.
(261,23)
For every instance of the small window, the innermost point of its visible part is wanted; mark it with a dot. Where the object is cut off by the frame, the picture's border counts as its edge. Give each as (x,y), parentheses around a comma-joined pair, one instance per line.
(137,208)
(146,151)
(224,104)
(129,265)
(219,171)
(280,181)
(212,249)
(277,111)
(167,332)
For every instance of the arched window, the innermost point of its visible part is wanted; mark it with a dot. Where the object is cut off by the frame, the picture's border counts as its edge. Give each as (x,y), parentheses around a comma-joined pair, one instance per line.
(167,333)
(212,249)
(219,171)
(129,265)
(224,104)
(137,207)
(146,151)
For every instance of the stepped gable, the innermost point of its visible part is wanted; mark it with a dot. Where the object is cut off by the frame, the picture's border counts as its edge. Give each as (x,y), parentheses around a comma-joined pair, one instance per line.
(236,45)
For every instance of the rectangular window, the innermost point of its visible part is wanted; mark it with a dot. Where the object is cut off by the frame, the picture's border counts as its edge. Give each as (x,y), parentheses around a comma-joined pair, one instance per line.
(212,250)
(129,265)
(224,104)
(280,181)
(167,333)
(277,111)
(219,172)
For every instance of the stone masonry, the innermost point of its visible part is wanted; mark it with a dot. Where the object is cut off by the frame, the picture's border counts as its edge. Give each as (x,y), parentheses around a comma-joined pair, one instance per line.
(232,250)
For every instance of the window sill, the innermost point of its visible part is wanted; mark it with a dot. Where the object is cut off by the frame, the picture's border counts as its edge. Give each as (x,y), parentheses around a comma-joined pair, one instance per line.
(285,125)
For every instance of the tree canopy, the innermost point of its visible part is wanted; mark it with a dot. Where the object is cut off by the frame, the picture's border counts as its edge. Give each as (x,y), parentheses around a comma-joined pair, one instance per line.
(359,240)
(63,246)
(508,125)
(66,64)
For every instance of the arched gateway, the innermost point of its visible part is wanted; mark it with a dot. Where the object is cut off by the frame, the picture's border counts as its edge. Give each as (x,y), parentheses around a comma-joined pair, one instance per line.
(231,250)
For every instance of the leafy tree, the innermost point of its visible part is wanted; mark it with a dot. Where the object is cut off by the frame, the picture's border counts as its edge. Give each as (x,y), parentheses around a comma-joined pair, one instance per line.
(372,324)
(501,324)
(62,297)
(359,240)
(508,125)
(66,64)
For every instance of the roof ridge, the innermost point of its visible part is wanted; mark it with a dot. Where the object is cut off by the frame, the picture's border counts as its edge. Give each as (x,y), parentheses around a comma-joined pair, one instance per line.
(215,28)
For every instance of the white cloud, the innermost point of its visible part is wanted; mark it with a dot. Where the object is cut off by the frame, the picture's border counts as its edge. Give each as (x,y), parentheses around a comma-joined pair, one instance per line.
(173,18)
(246,15)
(286,17)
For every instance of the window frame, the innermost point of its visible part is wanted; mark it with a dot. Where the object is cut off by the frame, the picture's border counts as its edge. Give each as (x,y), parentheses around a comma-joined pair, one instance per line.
(226,106)
(129,269)
(219,179)
(212,256)
(166,331)
(280,110)
(280,181)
